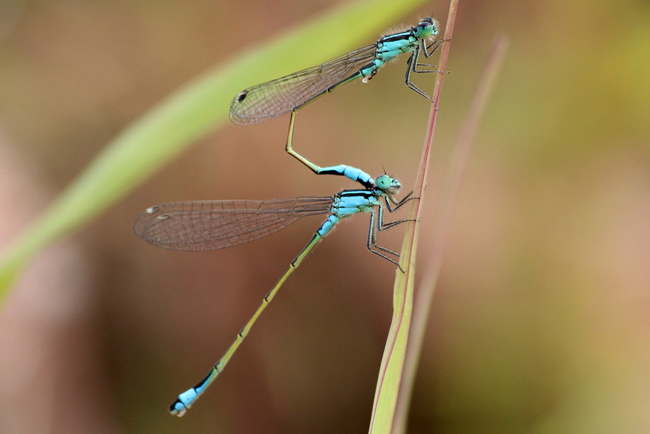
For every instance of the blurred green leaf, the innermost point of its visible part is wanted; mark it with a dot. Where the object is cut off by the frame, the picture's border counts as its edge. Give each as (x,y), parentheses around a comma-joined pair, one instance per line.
(190,113)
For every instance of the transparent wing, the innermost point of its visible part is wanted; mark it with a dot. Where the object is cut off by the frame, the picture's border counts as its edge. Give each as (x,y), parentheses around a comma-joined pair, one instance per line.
(269,100)
(210,225)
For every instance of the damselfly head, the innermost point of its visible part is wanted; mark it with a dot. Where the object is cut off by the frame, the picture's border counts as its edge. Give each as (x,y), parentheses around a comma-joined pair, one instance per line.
(427,27)
(387,184)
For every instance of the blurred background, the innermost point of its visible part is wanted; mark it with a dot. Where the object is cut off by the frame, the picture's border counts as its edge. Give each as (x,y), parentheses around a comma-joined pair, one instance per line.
(541,320)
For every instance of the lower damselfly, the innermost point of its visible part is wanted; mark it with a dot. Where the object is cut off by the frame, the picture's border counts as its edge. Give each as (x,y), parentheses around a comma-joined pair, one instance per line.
(209,225)
(275,98)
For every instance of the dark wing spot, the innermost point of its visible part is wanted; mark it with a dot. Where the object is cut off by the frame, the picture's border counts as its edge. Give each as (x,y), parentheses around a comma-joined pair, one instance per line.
(242,95)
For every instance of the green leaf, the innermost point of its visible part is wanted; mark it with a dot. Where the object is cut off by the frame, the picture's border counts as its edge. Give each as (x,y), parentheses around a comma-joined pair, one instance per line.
(194,110)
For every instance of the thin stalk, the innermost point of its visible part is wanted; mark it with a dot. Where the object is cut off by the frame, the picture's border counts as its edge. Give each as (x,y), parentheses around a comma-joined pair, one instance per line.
(450,190)
(394,352)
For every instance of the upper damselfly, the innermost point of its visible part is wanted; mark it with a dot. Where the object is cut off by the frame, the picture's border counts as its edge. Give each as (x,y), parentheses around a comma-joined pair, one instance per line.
(275,98)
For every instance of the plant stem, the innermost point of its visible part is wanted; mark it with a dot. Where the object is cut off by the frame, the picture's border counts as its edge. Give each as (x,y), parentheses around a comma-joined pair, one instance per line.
(394,352)
(450,190)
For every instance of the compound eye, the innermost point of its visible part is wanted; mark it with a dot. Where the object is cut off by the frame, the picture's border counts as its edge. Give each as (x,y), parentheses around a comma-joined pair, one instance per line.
(383,182)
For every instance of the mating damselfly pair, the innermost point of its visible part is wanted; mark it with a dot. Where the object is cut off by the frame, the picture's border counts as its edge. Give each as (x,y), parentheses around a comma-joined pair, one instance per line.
(209,225)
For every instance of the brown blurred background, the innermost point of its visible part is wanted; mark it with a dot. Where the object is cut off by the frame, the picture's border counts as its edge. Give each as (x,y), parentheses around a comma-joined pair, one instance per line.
(541,321)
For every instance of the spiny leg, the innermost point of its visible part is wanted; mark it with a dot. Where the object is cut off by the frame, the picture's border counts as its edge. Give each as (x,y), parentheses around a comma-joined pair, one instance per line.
(435,44)
(401,203)
(413,63)
(382,226)
(412,60)
(372,241)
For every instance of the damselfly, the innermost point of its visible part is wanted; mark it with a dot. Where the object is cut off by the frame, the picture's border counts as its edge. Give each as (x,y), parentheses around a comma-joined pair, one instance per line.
(207,225)
(275,98)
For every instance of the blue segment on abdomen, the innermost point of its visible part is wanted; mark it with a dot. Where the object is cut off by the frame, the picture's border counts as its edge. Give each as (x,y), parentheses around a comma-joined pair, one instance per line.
(371,68)
(187,397)
(328,225)
(356,175)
